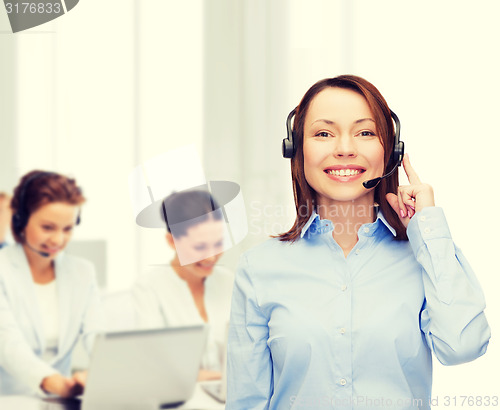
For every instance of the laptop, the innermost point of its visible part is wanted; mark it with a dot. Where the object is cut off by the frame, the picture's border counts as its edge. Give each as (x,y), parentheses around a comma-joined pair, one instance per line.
(144,369)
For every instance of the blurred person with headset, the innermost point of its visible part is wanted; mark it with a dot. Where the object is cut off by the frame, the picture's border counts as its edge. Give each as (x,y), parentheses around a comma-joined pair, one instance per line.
(5,215)
(349,304)
(48,299)
(191,289)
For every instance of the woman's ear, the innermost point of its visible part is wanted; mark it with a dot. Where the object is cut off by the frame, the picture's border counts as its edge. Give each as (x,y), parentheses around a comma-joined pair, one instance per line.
(170,240)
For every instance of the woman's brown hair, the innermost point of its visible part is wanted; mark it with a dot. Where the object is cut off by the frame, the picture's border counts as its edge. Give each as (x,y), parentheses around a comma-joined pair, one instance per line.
(304,195)
(36,189)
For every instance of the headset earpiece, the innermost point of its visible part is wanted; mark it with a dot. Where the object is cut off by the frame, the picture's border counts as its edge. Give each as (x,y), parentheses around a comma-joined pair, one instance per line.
(288,147)
(17,224)
(398,150)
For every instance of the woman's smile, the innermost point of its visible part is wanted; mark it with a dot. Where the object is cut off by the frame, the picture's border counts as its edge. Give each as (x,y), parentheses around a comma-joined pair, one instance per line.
(344,173)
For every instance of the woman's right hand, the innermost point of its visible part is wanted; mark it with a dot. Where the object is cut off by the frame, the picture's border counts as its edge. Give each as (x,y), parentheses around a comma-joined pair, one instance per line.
(62,386)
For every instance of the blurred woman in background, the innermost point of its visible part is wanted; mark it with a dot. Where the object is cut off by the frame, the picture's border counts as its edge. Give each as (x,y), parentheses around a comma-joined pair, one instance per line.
(191,289)
(48,300)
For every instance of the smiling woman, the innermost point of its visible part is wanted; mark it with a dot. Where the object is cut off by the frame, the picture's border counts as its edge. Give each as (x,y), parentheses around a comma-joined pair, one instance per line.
(353,300)
(47,299)
(191,289)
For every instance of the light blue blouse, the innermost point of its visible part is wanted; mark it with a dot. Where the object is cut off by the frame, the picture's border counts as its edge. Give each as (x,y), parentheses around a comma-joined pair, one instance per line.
(313,329)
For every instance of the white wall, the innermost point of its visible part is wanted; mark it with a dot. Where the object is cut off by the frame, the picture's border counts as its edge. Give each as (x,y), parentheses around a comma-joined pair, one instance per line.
(99,91)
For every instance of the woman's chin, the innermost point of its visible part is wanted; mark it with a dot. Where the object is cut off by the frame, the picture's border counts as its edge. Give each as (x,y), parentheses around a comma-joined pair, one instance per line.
(204,269)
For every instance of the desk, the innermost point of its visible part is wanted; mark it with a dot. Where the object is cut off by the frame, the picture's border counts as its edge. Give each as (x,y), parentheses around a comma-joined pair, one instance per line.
(199,401)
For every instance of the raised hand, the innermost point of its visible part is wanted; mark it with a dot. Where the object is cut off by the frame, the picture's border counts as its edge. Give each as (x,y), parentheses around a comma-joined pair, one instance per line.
(410,198)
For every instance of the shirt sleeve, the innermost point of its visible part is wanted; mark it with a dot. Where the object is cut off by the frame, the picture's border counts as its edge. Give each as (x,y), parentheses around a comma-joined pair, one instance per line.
(452,316)
(250,371)
(16,356)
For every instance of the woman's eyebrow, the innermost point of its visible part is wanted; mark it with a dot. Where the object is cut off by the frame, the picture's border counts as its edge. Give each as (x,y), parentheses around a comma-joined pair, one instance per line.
(363,120)
(330,122)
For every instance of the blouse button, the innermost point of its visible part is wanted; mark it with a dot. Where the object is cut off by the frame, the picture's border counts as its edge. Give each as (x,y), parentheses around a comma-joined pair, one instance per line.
(343,287)
(366,230)
(427,230)
(342,330)
(358,251)
(422,218)
(343,382)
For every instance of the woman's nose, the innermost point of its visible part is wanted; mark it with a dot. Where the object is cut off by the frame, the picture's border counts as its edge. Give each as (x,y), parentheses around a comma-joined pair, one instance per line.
(345,147)
(58,237)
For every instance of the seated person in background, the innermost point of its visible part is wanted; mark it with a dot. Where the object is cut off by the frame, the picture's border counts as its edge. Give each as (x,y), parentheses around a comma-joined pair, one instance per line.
(5,216)
(47,299)
(191,289)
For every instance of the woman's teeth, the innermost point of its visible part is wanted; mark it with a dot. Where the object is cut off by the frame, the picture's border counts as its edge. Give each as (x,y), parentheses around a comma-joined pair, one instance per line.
(343,172)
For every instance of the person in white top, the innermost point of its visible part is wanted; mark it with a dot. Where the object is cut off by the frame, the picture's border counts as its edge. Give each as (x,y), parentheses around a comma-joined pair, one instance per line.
(47,299)
(191,289)
(5,216)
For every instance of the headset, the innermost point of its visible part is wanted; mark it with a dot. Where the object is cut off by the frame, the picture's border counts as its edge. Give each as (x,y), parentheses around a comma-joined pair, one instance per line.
(21,216)
(289,147)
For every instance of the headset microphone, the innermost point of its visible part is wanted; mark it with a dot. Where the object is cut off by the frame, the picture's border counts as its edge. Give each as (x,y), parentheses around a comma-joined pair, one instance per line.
(372,183)
(41,253)
(397,154)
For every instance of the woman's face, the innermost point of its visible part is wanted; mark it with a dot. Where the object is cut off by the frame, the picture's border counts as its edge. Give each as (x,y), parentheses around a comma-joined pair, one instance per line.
(50,227)
(200,249)
(341,146)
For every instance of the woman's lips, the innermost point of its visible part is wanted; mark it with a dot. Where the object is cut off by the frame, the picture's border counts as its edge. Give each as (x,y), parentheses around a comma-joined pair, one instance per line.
(344,173)
(51,250)
(206,267)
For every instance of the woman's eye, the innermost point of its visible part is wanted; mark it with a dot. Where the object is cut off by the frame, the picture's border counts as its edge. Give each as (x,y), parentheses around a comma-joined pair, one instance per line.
(323,134)
(68,229)
(47,228)
(200,248)
(366,134)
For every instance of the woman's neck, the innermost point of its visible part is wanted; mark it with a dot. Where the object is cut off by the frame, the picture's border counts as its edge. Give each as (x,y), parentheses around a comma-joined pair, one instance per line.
(184,273)
(195,284)
(347,218)
(42,269)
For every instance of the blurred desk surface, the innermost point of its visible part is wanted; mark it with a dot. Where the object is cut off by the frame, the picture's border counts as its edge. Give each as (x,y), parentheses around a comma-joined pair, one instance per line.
(199,401)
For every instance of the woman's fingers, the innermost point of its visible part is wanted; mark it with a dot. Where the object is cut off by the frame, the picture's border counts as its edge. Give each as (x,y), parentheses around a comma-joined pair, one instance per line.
(410,172)
(60,385)
(394,203)
(403,205)
(408,200)
(411,198)
(80,377)
(402,208)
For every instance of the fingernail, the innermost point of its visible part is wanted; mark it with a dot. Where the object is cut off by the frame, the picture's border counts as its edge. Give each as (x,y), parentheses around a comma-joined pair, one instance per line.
(402,213)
